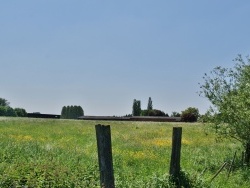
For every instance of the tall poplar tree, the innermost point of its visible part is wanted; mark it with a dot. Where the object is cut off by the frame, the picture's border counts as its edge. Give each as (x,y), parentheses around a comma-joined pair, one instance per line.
(63,112)
(136,111)
(150,104)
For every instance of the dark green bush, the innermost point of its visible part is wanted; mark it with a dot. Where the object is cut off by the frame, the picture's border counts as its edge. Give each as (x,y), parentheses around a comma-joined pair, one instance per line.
(190,115)
(7,111)
(20,112)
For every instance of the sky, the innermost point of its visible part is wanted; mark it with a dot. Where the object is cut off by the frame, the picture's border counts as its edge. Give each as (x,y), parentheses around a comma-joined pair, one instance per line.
(102,55)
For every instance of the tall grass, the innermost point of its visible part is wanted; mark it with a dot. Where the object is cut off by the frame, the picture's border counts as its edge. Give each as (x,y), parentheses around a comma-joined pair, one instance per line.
(63,153)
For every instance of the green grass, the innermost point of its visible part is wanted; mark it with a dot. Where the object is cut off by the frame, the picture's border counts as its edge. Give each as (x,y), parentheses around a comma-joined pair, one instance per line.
(63,153)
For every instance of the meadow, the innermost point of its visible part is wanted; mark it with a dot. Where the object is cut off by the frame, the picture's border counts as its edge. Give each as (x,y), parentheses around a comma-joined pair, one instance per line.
(63,153)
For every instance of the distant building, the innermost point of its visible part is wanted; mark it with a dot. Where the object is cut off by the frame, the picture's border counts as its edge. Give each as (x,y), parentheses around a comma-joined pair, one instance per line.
(39,115)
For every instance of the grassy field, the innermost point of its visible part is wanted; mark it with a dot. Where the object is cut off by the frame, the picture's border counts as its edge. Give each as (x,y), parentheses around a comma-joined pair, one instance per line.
(63,153)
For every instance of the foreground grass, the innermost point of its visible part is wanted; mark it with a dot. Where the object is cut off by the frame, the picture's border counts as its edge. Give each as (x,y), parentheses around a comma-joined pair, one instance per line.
(62,153)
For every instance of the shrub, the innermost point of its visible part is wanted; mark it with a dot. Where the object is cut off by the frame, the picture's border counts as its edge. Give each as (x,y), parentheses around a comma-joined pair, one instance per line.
(20,112)
(175,114)
(190,115)
(7,111)
(153,112)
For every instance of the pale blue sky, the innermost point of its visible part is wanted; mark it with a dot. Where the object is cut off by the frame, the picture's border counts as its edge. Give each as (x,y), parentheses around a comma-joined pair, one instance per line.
(103,54)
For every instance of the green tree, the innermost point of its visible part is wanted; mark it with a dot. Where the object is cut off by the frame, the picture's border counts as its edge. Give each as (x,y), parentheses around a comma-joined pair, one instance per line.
(7,111)
(2,110)
(64,112)
(228,89)
(144,112)
(191,114)
(20,112)
(4,102)
(10,112)
(153,112)
(67,112)
(156,112)
(80,111)
(150,104)
(136,111)
(71,112)
(175,114)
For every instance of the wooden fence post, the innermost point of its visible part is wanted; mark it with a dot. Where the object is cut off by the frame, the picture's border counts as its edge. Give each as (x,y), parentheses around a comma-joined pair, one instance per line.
(176,153)
(103,136)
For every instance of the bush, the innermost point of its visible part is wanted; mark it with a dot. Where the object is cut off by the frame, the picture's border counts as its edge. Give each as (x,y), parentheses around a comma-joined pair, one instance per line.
(190,115)
(2,110)
(20,112)
(153,112)
(7,111)
(175,114)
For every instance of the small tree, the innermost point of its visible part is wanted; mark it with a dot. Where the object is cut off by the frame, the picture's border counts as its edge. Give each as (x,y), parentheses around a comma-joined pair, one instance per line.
(175,114)
(74,112)
(150,104)
(2,110)
(144,112)
(7,111)
(80,111)
(64,112)
(67,112)
(153,112)
(190,115)
(136,111)
(156,112)
(10,112)
(20,112)
(228,89)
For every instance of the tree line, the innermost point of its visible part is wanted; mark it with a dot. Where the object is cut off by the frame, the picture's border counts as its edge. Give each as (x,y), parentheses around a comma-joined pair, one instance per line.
(6,110)
(191,114)
(228,90)
(71,112)
(68,112)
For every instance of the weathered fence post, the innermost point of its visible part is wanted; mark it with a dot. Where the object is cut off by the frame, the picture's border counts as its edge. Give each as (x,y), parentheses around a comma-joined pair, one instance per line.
(103,136)
(176,154)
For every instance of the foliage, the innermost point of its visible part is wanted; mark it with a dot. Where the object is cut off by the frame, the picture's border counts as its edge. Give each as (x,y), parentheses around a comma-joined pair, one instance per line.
(228,89)
(136,109)
(191,114)
(4,102)
(150,104)
(156,112)
(71,112)
(20,112)
(205,118)
(2,111)
(7,111)
(144,113)
(175,114)
(64,112)
(153,112)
